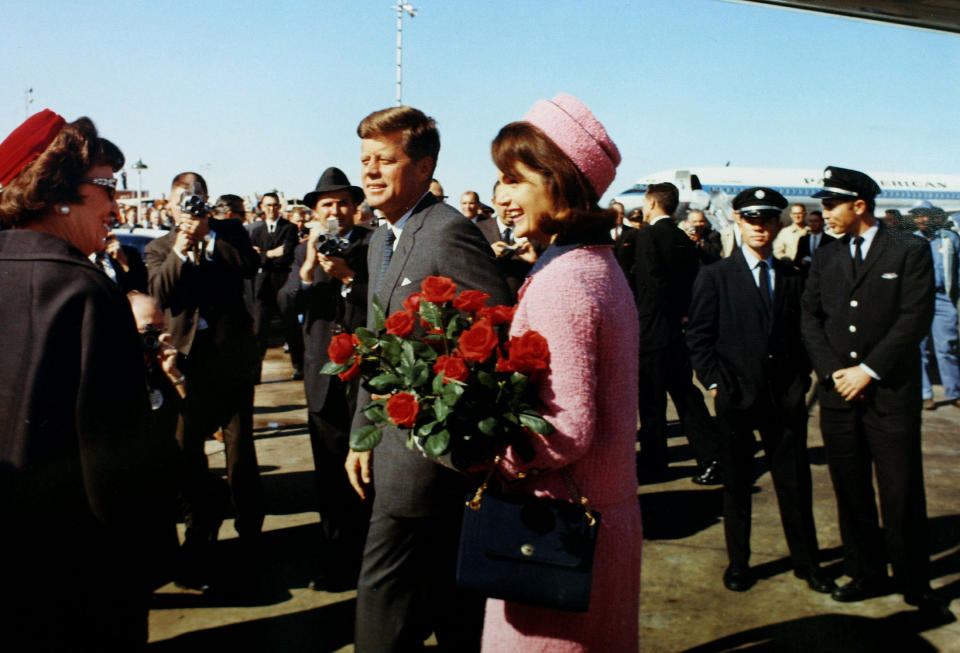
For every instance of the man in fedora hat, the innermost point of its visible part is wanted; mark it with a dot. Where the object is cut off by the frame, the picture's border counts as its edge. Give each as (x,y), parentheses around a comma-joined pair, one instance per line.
(330,291)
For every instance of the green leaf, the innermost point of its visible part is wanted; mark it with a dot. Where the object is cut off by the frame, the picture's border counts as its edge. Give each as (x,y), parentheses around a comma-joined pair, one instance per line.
(379,318)
(391,347)
(437,444)
(431,313)
(437,384)
(487,379)
(420,374)
(407,357)
(487,426)
(366,336)
(424,351)
(441,409)
(453,326)
(536,423)
(518,380)
(376,412)
(366,438)
(425,430)
(452,393)
(333,368)
(384,381)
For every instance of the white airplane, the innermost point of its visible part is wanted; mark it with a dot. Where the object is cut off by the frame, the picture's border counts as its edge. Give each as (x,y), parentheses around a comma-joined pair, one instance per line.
(713,188)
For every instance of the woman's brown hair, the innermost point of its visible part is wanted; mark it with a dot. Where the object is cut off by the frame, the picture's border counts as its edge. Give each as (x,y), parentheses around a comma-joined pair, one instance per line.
(575,202)
(54,177)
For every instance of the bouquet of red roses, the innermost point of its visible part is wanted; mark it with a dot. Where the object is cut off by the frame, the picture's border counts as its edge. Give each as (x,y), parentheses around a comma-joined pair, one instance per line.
(447,372)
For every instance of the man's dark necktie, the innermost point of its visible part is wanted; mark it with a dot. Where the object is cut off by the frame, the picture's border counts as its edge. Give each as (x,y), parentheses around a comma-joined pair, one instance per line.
(764,286)
(388,240)
(508,235)
(857,253)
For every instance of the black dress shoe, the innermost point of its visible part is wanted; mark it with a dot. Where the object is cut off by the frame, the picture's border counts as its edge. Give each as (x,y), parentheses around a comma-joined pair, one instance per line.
(816,579)
(335,583)
(708,474)
(737,579)
(859,590)
(925,601)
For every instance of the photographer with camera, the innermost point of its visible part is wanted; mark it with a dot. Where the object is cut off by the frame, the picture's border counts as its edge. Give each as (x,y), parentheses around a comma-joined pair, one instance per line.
(328,286)
(197,274)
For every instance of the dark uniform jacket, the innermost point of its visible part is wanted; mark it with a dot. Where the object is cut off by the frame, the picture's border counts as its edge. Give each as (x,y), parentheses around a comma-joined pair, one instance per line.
(436,240)
(877,317)
(325,310)
(666,265)
(734,344)
(273,271)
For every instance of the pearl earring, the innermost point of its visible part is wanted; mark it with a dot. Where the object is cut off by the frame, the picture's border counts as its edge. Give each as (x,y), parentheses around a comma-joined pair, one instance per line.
(65,210)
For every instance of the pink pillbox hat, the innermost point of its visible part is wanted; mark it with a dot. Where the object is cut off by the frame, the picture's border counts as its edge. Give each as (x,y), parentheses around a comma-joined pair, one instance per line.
(572,127)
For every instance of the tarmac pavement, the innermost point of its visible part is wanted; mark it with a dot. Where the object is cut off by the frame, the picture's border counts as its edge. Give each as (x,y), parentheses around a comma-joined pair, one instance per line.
(264,604)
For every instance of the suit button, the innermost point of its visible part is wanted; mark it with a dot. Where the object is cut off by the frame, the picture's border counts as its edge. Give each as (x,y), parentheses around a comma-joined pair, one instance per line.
(853,354)
(852,328)
(854,303)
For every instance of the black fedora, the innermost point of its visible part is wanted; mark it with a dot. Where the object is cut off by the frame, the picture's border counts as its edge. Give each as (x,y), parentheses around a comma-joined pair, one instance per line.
(330,181)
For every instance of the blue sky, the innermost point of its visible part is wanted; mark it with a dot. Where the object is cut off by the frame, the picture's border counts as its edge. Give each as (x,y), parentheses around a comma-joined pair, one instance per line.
(259,95)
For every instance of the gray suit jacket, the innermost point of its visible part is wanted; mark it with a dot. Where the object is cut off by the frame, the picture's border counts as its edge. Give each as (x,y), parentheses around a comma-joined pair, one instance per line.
(436,241)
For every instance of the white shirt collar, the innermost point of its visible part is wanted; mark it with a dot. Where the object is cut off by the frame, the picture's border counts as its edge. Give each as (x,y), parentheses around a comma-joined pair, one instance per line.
(868,237)
(503,225)
(397,227)
(752,260)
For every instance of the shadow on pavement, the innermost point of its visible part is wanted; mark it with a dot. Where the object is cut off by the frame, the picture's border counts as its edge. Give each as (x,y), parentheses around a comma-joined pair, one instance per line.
(327,628)
(676,514)
(835,633)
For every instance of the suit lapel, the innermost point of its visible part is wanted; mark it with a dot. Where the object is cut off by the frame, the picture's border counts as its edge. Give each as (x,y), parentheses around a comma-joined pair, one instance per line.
(873,254)
(747,281)
(403,248)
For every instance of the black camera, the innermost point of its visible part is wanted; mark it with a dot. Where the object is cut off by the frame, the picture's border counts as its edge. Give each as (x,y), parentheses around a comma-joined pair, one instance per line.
(332,245)
(195,206)
(151,341)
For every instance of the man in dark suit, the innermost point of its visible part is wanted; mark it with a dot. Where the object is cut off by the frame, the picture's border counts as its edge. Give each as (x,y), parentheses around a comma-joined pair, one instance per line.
(744,337)
(197,274)
(330,292)
(274,240)
(867,305)
(407,579)
(664,270)
(514,257)
(122,263)
(811,242)
(624,242)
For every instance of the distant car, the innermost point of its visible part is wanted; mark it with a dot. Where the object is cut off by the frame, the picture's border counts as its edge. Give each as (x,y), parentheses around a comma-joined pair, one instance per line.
(138,237)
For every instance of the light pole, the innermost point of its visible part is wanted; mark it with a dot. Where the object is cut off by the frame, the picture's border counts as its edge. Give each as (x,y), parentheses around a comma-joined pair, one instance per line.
(139,166)
(401,7)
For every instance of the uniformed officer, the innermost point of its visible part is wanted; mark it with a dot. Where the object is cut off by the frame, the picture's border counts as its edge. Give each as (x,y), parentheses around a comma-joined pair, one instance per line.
(867,305)
(751,297)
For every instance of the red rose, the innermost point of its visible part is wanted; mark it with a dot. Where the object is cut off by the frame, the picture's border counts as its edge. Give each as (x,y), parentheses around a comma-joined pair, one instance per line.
(341,348)
(504,365)
(529,352)
(478,342)
(450,367)
(412,303)
(400,323)
(438,290)
(402,408)
(346,375)
(497,314)
(470,301)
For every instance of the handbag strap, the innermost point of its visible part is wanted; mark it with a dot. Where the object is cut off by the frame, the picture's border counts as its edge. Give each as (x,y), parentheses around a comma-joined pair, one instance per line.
(572,488)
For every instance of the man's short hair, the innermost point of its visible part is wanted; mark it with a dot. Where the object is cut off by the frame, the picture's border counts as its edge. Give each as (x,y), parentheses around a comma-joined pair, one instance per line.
(666,195)
(229,202)
(476,196)
(420,137)
(270,194)
(800,205)
(185,179)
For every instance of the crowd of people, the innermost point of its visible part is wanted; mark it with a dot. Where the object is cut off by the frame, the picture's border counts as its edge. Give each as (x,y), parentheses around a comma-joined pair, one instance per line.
(125,367)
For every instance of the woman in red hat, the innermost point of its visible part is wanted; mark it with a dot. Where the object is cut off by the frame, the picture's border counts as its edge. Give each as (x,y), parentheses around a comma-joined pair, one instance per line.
(554,166)
(79,472)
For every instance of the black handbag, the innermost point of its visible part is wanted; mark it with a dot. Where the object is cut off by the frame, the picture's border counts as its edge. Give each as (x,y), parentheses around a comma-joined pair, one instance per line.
(527,549)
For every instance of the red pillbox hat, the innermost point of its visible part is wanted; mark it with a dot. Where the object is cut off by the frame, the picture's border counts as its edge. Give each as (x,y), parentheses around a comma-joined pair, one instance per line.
(27,142)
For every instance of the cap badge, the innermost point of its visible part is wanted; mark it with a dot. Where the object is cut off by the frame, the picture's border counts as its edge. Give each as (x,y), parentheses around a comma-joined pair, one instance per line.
(759,194)
(827,173)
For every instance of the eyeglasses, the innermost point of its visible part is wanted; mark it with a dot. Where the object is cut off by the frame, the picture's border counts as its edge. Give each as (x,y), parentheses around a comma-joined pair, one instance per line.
(108,184)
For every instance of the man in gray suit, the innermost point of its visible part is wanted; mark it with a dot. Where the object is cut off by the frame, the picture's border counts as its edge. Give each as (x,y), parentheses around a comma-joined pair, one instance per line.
(407,579)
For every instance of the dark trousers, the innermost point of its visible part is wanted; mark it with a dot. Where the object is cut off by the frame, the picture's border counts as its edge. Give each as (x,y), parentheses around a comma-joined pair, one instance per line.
(264,311)
(344,517)
(407,587)
(669,370)
(219,395)
(783,434)
(858,440)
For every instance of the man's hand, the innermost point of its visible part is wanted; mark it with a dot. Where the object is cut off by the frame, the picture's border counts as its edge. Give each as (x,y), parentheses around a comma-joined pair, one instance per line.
(525,251)
(276,252)
(358,470)
(115,251)
(500,248)
(336,267)
(189,232)
(850,382)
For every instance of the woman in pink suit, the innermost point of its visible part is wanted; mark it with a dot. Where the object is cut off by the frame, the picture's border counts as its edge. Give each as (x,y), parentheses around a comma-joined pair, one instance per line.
(555,165)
